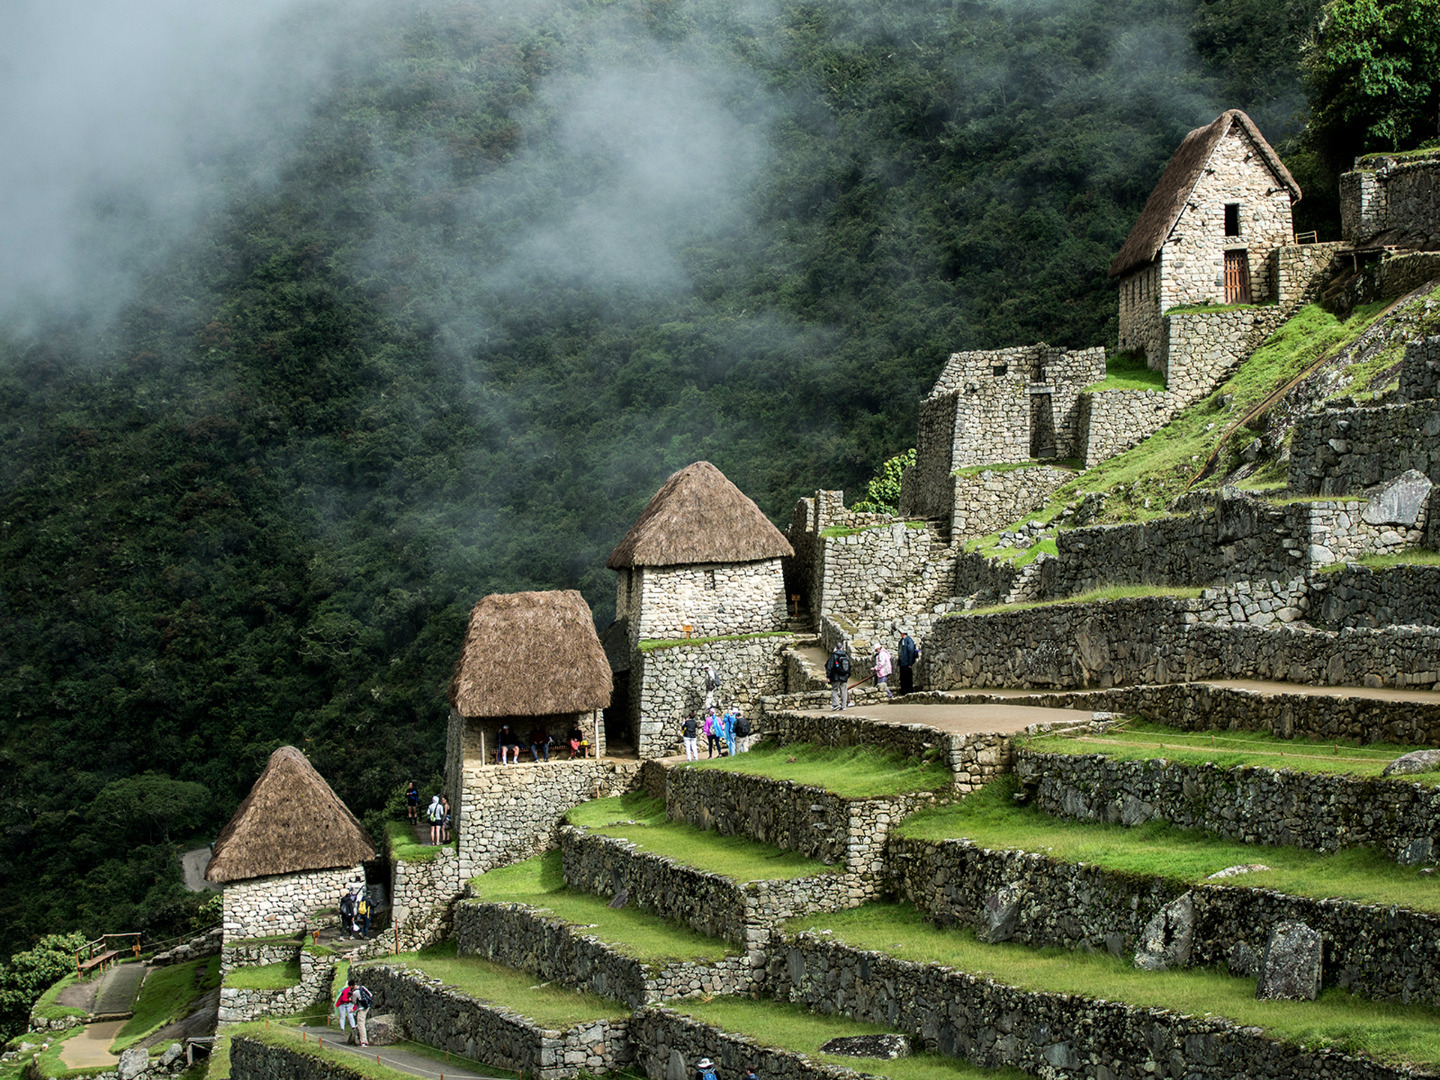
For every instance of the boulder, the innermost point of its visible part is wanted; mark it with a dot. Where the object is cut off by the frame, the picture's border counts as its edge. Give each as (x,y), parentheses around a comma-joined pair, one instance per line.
(888,1047)
(1165,941)
(1290,968)
(380,1029)
(1418,761)
(133,1062)
(675,1067)
(173,1053)
(998,915)
(1398,501)
(1236,871)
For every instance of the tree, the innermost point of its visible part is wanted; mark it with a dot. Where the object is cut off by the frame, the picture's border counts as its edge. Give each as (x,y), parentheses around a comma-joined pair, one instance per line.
(29,974)
(882,492)
(1371,77)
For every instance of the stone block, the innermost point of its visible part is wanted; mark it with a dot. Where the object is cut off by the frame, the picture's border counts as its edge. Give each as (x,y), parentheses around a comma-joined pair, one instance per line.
(1290,968)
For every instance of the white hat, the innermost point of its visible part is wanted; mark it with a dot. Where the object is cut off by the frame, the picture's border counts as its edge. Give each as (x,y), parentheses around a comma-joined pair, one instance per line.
(704,1063)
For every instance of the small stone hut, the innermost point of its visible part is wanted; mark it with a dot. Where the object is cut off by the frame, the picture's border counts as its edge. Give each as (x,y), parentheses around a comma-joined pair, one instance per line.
(291,850)
(701,561)
(1222,206)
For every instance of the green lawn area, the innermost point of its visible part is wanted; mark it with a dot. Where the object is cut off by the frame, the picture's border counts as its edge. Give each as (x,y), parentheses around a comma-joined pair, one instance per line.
(1128,371)
(265,976)
(1412,557)
(792,1027)
(1338,1020)
(990,818)
(1109,592)
(539,882)
(1144,740)
(851,772)
(168,994)
(403,847)
(641,820)
(548,1004)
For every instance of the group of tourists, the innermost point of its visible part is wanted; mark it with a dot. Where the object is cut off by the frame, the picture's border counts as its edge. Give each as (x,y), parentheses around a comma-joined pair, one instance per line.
(437,814)
(727,733)
(353,1005)
(507,744)
(356,908)
(837,670)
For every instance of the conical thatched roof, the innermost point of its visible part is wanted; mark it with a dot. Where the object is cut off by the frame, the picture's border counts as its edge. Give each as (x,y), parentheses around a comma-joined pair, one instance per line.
(1168,200)
(698,516)
(531,654)
(290,821)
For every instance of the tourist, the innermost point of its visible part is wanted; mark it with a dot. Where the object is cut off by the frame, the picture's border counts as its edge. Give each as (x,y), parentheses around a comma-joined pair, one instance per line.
(445,820)
(578,743)
(750,1074)
(712,731)
(412,802)
(727,730)
(362,913)
(360,1001)
(540,741)
(743,737)
(688,732)
(705,1070)
(435,815)
(344,1006)
(837,670)
(347,913)
(908,652)
(882,670)
(710,682)
(509,745)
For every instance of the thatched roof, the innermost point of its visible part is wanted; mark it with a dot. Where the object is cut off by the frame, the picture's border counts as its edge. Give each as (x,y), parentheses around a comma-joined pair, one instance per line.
(290,821)
(698,516)
(531,654)
(1168,199)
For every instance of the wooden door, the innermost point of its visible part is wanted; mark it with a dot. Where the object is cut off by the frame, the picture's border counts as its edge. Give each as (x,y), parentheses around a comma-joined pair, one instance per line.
(1237,277)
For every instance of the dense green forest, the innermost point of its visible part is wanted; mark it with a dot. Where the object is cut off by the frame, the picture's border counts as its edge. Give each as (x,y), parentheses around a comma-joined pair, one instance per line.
(517,265)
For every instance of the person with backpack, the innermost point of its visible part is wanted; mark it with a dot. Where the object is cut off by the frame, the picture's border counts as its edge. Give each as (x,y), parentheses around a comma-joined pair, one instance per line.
(362,913)
(688,731)
(727,731)
(712,731)
(907,654)
(837,670)
(710,682)
(742,732)
(345,1004)
(435,815)
(705,1070)
(360,1001)
(347,914)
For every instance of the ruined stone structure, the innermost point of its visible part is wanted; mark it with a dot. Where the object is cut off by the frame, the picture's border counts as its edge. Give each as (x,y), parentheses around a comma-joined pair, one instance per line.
(1392,201)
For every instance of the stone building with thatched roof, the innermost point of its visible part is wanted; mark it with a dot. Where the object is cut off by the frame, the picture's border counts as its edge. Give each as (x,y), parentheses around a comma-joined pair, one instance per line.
(290,851)
(1206,235)
(700,561)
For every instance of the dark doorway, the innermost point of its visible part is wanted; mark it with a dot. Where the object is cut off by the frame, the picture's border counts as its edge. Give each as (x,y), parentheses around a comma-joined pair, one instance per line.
(1042,427)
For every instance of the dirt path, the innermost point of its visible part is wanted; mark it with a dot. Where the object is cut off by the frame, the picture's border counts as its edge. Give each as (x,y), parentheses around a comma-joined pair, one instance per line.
(80,995)
(119,989)
(394,1056)
(91,1048)
(962,719)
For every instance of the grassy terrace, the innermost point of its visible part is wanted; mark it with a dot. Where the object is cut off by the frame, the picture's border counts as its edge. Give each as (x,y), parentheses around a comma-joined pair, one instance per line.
(548,1004)
(1413,557)
(1338,1020)
(791,1027)
(265,976)
(990,819)
(539,882)
(851,772)
(168,995)
(641,820)
(1128,371)
(1142,740)
(1109,592)
(651,644)
(403,847)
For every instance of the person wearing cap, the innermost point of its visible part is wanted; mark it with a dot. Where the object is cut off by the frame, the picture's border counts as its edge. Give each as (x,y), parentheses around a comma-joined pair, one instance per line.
(705,1070)
(882,670)
(908,654)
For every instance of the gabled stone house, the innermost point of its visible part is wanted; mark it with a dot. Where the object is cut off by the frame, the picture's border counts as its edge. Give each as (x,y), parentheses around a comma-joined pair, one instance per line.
(700,561)
(1222,206)
(291,851)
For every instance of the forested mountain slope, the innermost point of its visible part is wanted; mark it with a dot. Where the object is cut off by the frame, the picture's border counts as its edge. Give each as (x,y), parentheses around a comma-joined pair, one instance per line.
(518,264)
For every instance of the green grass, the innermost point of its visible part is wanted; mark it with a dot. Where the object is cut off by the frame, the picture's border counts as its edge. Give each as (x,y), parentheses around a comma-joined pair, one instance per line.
(167,995)
(1128,371)
(1109,592)
(1141,740)
(1070,464)
(1338,1020)
(265,976)
(989,546)
(990,818)
(855,530)
(540,883)
(403,847)
(1409,557)
(792,1027)
(47,1008)
(650,644)
(851,772)
(730,856)
(548,1004)
(1210,309)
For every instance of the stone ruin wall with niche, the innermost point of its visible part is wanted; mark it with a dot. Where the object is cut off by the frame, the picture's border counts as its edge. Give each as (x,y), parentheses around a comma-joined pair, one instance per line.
(711,598)
(1387,200)
(284,903)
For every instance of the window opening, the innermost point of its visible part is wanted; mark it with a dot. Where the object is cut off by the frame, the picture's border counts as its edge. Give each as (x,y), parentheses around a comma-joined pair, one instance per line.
(1232,219)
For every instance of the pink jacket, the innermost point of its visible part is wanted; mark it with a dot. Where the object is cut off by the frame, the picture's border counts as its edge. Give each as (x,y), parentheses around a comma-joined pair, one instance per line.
(882,663)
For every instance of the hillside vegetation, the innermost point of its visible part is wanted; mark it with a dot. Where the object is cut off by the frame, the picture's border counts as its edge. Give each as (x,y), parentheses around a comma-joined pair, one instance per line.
(520,264)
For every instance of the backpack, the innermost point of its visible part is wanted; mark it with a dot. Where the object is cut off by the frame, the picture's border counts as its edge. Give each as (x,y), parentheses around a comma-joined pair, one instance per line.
(742,727)
(708,1074)
(842,665)
(712,680)
(363,998)
(363,908)
(347,905)
(436,814)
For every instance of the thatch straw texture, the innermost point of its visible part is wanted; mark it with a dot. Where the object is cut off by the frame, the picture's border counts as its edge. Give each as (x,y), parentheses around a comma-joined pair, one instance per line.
(290,821)
(698,516)
(1168,200)
(531,654)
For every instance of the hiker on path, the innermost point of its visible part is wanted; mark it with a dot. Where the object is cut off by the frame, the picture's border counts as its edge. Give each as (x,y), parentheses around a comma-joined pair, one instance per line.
(882,670)
(347,913)
(435,815)
(705,1070)
(360,1001)
(412,802)
(712,731)
(908,653)
(837,670)
(689,731)
(362,913)
(345,1006)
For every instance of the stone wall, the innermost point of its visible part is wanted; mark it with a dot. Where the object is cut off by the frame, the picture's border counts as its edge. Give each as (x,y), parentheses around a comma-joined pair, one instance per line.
(668,1044)
(422,898)
(990,499)
(512,811)
(1300,270)
(285,903)
(1385,953)
(1200,349)
(898,574)
(711,598)
(258,952)
(1344,451)
(311,993)
(791,816)
(1049,1035)
(252,1059)
(1112,421)
(1389,200)
(444,1018)
(1362,596)
(1420,371)
(1252,804)
(714,905)
(1140,328)
(667,684)
(533,940)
